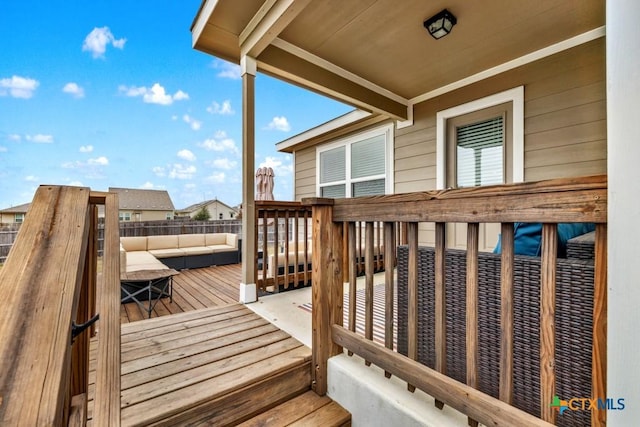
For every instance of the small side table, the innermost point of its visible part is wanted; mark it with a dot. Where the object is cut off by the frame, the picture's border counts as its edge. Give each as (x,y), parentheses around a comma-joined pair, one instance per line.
(146,287)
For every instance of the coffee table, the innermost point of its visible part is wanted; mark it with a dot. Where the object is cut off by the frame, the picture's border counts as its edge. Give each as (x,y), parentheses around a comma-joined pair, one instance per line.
(147,287)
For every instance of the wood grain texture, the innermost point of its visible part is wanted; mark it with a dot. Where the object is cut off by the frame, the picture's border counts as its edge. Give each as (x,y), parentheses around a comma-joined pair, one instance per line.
(40,284)
(469,401)
(440,303)
(599,352)
(107,395)
(582,199)
(506,313)
(326,291)
(368,269)
(353,273)
(389,282)
(412,287)
(547,321)
(473,230)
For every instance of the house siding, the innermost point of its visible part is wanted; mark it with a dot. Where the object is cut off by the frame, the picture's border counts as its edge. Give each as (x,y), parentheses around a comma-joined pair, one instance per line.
(564,127)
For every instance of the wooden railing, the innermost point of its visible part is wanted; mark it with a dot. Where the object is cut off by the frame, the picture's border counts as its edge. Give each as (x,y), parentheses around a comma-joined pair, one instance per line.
(549,202)
(283,238)
(48,284)
(283,233)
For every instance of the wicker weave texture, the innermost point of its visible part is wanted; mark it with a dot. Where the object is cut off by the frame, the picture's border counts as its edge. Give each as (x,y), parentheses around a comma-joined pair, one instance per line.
(573,322)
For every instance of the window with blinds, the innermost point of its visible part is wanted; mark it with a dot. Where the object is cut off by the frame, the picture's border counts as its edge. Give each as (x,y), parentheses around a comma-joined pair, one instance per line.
(357,168)
(480,153)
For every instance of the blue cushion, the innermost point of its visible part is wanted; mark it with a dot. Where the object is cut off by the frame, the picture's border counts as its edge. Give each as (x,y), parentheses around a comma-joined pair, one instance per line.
(527,237)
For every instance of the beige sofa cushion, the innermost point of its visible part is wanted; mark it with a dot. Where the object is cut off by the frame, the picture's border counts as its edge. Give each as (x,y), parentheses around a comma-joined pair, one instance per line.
(167,253)
(162,242)
(232,240)
(143,260)
(191,240)
(197,250)
(212,239)
(134,243)
(221,248)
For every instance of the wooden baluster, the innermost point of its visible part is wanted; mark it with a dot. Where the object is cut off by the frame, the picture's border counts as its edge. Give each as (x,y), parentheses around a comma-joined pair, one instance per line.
(412,288)
(259,282)
(547,321)
(379,263)
(506,313)
(599,351)
(296,246)
(353,274)
(390,261)
(306,247)
(276,253)
(326,290)
(472,309)
(440,304)
(265,246)
(286,250)
(368,268)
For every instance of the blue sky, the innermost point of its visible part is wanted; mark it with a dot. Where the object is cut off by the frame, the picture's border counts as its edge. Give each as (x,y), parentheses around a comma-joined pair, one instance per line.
(111,94)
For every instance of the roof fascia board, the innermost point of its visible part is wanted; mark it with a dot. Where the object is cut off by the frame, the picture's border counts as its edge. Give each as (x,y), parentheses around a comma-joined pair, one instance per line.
(330,126)
(510,65)
(270,20)
(201,20)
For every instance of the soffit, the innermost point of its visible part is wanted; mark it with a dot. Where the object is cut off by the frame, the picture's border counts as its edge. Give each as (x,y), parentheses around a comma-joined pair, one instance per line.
(385,43)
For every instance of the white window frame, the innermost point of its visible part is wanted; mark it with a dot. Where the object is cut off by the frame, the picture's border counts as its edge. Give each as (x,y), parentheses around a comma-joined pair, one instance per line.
(387,132)
(516,97)
(18,218)
(124,216)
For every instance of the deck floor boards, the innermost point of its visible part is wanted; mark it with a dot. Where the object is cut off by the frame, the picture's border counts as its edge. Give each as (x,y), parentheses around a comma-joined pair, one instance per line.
(198,360)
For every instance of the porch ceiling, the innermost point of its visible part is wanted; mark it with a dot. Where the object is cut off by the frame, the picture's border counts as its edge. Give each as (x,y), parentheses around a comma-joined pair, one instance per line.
(376,54)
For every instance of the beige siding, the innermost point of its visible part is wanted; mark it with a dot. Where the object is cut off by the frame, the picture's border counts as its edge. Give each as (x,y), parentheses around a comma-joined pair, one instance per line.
(565,126)
(305,180)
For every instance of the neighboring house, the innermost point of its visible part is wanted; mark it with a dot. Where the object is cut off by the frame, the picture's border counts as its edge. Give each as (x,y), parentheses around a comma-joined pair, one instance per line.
(217,209)
(549,87)
(14,215)
(144,205)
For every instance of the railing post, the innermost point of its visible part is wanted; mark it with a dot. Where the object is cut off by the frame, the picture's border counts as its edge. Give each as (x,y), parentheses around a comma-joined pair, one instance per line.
(327,288)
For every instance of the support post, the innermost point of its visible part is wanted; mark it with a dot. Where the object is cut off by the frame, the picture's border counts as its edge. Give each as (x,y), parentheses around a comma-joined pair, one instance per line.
(327,289)
(248,292)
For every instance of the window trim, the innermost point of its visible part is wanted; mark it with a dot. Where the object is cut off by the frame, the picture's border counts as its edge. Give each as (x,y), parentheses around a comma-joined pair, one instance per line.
(389,175)
(18,218)
(516,97)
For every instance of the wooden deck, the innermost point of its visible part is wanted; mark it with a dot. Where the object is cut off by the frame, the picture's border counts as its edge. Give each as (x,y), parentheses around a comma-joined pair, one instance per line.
(210,365)
(193,290)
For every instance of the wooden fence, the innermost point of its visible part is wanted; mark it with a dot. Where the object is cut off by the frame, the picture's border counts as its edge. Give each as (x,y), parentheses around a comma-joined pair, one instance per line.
(8,232)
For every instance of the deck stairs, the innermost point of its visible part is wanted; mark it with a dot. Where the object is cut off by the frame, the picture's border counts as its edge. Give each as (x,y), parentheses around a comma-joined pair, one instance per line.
(218,366)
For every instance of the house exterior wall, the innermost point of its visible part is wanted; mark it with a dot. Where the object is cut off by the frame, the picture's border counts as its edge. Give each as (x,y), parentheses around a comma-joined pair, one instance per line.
(215,209)
(8,218)
(564,125)
(144,215)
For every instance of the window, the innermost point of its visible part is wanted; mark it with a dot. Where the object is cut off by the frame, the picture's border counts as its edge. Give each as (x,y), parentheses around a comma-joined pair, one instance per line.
(360,165)
(169,216)
(19,218)
(231,215)
(481,142)
(220,216)
(125,216)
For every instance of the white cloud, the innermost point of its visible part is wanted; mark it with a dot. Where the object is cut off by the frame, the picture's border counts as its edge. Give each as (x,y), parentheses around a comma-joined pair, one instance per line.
(154,95)
(224,163)
(18,87)
(76,184)
(73,89)
(31,178)
(3,149)
(147,186)
(98,39)
(216,178)
(159,171)
(190,186)
(279,123)
(223,109)
(187,155)
(180,171)
(40,138)
(195,124)
(86,148)
(14,137)
(221,143)
(227,69)
(99,161)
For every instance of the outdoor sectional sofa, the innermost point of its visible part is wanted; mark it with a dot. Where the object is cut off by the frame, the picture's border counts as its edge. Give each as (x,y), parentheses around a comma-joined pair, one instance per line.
(574,319)
(178,251)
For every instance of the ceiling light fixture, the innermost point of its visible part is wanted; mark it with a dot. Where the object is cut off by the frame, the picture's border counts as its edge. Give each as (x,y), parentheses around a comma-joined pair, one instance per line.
(441,24)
